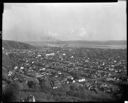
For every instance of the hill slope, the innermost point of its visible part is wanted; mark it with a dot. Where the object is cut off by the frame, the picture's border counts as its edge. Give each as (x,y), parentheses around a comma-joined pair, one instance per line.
(78,43)
(7,44)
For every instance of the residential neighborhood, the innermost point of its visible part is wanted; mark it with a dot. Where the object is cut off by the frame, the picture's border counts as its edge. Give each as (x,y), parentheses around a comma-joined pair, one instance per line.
(97,71)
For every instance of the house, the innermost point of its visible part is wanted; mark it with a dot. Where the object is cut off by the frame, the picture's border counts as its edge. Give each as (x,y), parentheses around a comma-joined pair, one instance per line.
(81,80)
(50,54)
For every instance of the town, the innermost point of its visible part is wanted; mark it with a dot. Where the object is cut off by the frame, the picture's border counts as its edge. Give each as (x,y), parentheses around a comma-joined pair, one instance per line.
(68,74)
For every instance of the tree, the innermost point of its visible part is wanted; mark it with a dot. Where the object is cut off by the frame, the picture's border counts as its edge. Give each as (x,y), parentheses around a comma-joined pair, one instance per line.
(31,84)
(123,91)
(11,93)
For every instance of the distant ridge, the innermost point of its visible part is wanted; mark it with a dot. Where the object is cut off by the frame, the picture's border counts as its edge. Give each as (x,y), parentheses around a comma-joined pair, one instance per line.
(110,42)
(81,43)
(9,44)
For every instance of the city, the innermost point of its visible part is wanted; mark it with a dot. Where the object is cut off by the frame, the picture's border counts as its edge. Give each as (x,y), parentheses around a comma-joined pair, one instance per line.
(69,73)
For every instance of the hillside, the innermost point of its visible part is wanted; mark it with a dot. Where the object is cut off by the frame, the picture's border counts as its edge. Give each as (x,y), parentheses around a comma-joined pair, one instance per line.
(111,42)
(7,44)
(83,44)
(7,60)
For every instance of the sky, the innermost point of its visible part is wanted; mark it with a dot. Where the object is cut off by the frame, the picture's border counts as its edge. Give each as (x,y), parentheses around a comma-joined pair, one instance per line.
(64,21)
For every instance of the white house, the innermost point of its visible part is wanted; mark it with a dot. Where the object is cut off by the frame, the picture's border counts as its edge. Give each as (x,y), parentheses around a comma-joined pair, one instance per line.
(50,54)
(81,80)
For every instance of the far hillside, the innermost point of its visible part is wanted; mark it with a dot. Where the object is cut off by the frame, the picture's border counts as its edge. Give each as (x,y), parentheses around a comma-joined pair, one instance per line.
(8,44)
(83,44)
